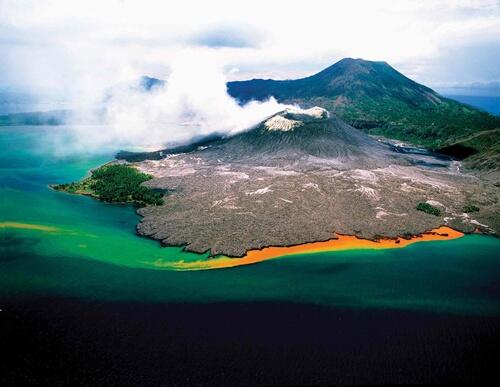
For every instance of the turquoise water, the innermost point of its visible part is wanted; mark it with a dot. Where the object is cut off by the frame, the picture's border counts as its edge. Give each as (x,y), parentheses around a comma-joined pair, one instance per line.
(55,244)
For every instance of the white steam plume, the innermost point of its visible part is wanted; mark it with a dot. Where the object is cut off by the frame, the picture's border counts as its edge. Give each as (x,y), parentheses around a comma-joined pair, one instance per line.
(194,102)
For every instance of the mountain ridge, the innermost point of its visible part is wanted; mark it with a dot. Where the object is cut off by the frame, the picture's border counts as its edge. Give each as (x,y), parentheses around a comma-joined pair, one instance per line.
(375,97)
(334,79)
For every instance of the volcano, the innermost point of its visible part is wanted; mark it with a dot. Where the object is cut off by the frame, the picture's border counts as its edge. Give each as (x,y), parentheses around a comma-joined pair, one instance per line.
(375,97)
(371,96)
(301,176)
(347,79)
(300,137)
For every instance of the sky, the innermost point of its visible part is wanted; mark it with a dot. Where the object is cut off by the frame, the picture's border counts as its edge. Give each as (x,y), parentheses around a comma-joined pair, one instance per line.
(65,46)
(75,52)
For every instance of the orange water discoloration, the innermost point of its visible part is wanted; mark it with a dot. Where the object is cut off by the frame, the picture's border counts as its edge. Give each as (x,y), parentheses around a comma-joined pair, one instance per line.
(342,242)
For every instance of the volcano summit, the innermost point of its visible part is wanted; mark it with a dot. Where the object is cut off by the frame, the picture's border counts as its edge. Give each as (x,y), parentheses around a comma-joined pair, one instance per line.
(302,176)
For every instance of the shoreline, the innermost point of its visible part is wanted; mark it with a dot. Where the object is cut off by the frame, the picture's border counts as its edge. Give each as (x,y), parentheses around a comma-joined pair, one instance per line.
(248,251)
(340,243)
(119,183)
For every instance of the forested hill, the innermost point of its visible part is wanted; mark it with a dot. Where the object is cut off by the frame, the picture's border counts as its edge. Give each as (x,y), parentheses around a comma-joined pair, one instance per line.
(375,97)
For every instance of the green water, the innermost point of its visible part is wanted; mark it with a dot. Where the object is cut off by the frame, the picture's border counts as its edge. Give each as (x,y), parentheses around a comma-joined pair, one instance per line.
(93,253)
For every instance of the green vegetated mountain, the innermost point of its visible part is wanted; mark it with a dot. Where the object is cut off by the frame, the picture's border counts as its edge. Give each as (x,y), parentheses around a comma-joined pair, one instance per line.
(375,97)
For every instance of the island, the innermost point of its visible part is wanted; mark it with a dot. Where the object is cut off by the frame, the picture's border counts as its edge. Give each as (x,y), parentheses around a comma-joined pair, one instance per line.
(115,183)
(306,175)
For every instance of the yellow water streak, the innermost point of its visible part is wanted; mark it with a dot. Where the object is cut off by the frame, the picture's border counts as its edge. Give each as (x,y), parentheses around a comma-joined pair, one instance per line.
(29,226)
(341,242)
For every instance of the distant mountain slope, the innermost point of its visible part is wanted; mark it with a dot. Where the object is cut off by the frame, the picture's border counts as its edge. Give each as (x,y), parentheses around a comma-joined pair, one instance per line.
(375,97)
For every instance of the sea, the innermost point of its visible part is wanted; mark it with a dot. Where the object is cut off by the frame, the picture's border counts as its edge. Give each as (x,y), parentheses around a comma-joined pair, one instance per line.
(82,303)
(490,104)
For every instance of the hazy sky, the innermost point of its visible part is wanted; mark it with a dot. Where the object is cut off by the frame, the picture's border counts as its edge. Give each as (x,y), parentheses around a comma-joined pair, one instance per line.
(70,46)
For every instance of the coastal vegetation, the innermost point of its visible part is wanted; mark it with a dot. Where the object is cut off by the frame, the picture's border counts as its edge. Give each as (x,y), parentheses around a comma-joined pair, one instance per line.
(116,183)
(429,209)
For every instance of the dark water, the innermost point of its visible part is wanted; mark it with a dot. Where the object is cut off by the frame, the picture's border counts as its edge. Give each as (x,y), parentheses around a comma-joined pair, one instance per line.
(486,103)
(82,303)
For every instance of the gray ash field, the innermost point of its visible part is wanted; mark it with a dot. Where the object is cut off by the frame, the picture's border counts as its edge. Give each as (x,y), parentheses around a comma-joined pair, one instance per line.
(302,176)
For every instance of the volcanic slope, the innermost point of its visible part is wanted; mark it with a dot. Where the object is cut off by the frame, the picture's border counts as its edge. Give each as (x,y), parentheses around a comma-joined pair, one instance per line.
(375,97)
(302,176)
(304,138)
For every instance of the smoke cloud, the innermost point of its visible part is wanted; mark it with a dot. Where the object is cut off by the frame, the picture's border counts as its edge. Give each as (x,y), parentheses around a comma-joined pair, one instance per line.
(193,102)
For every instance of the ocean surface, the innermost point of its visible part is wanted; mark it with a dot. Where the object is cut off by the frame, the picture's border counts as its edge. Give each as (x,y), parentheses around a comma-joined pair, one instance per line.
(82,303)
(490,104)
